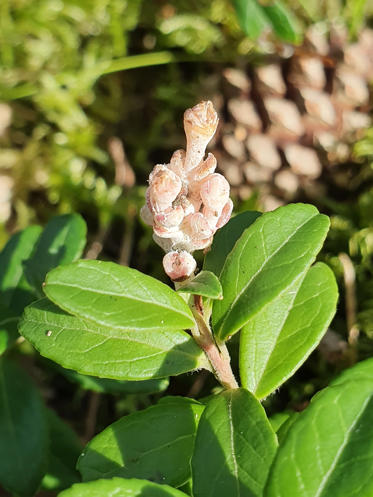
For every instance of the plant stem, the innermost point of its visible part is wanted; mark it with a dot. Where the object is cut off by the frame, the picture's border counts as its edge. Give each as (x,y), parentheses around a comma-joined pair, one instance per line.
(217,355)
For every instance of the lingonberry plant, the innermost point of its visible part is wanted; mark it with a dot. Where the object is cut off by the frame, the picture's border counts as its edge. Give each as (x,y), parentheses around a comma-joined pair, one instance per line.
(258,281)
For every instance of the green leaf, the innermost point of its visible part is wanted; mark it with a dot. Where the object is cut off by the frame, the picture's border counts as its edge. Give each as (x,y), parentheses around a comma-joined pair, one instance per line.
(328,450)
(155,444)
(267,259)
(64,450)
(23,432)
(234,447)
(117,296)
(225,239)
(250,17)
(119,487)
(8,328)
(101,351)
(105,385)
(205,284)
(361,371)
(282,21)
(15,291)
(62,241)
(278,419)
(280,337)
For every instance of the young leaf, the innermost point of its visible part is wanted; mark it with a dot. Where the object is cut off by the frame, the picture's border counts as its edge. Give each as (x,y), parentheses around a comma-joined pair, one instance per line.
(328,450)
(234,447)
(120,487)
(117,296)
(225,239)
(15,291)
(96,350)
(267,259)
(280,337)
(62,241)
(155,444)
(105,385)
(205,284)
(250,17)
(64,450)
(23,432)
(282,21)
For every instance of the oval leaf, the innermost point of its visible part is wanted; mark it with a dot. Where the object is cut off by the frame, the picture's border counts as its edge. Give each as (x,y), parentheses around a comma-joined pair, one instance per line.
(205,284)
(267,259)
(282,21)
(119,487)
(250,17)
(23,432)
(361,371)
(225,239)
(234,448)
(16,293)
(279,338)
(105,385)
(99,351)
(328,450)
(62,241)
(117,296)
(155,444)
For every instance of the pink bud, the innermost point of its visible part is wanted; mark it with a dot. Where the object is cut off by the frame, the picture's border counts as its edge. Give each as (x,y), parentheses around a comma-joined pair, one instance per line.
(225,214)
(164,187)
(205,168)
(179,265)
(177,163)
(168,221)
(202,244)
(146,215)
(200,124)
(196,226)
(215,191)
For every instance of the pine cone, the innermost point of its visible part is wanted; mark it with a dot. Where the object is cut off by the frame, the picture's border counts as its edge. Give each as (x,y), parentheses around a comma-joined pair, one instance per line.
(294,119)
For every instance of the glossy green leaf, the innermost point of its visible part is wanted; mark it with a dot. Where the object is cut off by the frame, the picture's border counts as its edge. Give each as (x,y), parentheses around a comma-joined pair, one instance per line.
(96,350)
(155,444)
(105,385)
(205,284)
(64,450)
(117,296)
(267,259)
(120,487)
(282,21)
(8,328)
(15,291)
(280,337)
(361,371)
(62,241)
(284,428)
(250,17)
(225,239)
(278,419)
(234,447)
(328,450)
(23,432)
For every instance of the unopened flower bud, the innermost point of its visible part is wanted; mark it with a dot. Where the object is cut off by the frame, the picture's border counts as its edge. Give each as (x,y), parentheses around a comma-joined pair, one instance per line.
(179,265)
(200,124)
(205,168)
(164,187)
(177,163)
(215,192)
(167,222)
(196,226)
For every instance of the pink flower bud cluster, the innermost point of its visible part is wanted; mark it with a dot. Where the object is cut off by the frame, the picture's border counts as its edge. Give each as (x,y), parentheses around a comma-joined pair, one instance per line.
(186,201)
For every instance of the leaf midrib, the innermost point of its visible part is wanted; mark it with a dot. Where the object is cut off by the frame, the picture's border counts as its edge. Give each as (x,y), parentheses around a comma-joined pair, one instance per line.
(244,288)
